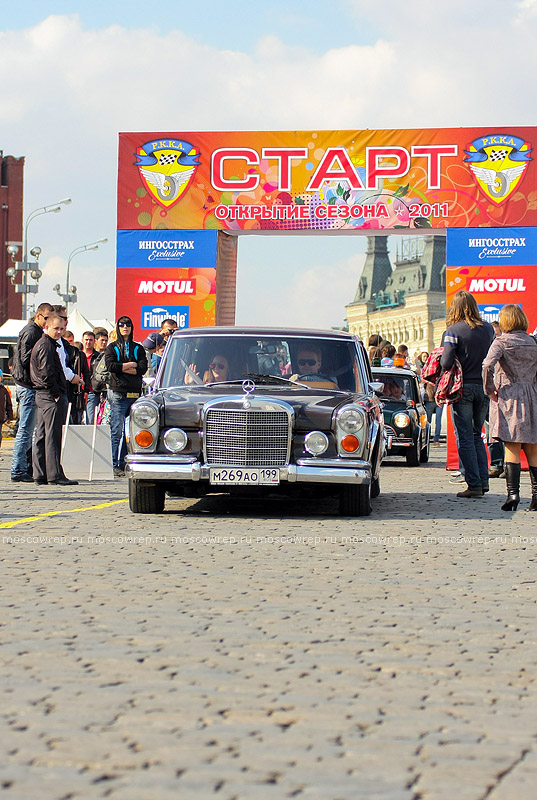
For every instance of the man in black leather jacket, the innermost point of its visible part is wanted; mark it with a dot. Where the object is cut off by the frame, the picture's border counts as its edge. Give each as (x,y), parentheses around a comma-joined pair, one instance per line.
(28,337)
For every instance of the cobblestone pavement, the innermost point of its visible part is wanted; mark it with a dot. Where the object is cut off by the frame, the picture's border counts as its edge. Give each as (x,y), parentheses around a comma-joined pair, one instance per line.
(268,649)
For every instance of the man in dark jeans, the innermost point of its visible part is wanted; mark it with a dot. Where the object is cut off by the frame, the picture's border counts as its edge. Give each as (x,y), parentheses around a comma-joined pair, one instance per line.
(468,338)
(28,337)
(126,362)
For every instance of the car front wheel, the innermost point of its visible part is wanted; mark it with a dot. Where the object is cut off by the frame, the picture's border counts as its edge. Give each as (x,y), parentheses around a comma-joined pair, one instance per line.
(146,498)
(424,454)
(355,501)
(413,455)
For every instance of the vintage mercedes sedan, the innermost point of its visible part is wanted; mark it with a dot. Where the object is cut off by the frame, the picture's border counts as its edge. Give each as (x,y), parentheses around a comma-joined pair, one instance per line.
(258,410)
(406,428)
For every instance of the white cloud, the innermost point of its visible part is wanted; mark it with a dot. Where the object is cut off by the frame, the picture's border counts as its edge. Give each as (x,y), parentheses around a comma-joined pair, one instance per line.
(70,91)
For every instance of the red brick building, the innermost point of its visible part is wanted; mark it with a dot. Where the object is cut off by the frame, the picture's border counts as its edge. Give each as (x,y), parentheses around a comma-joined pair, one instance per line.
(11,223)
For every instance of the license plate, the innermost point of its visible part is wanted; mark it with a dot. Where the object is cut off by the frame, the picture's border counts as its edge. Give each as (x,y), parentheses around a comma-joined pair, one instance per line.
(244,476)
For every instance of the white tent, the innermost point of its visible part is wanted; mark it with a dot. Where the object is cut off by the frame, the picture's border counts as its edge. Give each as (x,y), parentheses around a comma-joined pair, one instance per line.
(78,323)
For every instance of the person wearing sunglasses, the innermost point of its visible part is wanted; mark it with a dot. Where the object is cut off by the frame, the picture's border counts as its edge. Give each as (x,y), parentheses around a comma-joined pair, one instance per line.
(218,371)
(308,362)
(126,361)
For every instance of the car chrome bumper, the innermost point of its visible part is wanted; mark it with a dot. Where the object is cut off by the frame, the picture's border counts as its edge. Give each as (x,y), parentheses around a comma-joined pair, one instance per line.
(156,467)
(394,442)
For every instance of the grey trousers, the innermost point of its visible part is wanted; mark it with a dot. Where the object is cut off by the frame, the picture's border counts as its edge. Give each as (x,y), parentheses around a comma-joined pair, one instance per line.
(48,436)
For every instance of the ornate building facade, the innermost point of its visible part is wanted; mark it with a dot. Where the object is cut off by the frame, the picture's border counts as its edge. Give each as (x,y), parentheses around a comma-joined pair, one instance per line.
(405,302)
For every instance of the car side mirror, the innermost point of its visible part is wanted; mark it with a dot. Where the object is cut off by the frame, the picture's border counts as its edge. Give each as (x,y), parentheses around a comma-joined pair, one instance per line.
(377,387)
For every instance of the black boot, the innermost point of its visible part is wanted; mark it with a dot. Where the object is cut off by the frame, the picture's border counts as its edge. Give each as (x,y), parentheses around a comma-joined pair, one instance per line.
(512,478)
(533,479)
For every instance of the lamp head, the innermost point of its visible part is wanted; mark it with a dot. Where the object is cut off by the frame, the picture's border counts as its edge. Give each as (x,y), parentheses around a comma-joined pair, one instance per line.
(11,272)
(12,249)
(36,252)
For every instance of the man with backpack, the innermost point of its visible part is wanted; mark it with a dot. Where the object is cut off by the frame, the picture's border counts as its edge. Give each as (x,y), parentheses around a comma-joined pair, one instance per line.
(126,362)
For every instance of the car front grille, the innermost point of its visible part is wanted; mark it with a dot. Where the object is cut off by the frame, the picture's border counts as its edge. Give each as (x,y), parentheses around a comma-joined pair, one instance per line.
(247,437)
(389,431)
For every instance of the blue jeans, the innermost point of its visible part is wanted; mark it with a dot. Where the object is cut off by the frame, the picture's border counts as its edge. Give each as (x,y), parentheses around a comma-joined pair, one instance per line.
(120,406)
(469,417)
(23,440)
(93,403)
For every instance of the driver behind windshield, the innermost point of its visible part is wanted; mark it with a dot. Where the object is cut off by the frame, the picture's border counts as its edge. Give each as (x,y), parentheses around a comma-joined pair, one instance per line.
(309,362)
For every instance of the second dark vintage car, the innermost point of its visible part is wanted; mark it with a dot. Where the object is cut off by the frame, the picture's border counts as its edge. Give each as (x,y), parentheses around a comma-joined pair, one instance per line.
(406,427)
(258,410)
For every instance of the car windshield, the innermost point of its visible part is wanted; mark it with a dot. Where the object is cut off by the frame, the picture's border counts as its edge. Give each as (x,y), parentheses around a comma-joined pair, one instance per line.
(198,360)
(396,387)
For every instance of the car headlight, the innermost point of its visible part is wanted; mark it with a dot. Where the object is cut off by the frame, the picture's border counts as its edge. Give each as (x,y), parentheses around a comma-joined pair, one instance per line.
(401,420)
(175,440)
(144,415)
(351,420)
(316,443)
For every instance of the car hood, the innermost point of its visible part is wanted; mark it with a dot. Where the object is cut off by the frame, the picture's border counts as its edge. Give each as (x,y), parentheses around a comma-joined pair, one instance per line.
(313,408)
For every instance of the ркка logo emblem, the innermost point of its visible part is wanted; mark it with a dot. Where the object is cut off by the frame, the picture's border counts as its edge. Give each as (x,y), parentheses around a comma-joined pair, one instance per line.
(167,168)
(498,162)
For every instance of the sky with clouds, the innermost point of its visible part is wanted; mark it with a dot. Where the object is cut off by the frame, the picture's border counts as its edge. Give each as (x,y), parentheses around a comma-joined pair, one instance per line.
(79,73)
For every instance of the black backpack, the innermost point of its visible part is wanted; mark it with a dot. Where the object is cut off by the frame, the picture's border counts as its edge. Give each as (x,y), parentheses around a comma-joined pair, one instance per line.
(100,376)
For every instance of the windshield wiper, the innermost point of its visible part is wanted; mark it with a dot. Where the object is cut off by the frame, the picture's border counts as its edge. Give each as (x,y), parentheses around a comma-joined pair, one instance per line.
(268,379)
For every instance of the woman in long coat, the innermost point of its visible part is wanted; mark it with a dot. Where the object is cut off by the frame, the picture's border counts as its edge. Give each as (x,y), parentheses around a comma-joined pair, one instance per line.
(510,380)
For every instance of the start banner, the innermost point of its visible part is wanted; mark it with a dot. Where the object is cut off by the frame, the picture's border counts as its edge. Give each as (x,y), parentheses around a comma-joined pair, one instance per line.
(247,182)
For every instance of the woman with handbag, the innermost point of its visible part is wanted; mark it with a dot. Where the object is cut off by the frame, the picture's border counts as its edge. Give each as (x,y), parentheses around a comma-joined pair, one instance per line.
(510,381)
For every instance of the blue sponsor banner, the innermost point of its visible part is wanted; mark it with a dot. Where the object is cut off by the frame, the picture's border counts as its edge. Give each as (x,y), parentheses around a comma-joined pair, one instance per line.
(476,247)
(152,317)
(182,249)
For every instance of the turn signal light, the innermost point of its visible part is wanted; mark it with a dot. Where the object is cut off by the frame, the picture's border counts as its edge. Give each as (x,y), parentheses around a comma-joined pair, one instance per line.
(350,443)
(423,420)
(144,438)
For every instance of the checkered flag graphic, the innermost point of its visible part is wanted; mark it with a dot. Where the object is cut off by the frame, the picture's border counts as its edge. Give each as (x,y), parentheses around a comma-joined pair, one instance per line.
(167,159)
(497,155)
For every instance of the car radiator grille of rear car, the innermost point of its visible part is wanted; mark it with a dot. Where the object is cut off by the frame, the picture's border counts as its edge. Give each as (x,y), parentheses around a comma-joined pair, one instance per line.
(247,438)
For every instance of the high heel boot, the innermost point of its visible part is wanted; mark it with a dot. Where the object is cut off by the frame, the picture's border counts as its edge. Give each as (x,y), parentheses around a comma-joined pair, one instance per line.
(512,478)
(533,479)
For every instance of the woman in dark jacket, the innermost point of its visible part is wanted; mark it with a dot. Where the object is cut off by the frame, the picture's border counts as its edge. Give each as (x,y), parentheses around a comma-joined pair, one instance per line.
(468,338)
(510,380)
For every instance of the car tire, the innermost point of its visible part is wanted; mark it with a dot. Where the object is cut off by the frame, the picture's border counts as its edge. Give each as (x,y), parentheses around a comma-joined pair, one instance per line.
(413,455)
(375,487)
(146,498)
(355,501)
(424,454)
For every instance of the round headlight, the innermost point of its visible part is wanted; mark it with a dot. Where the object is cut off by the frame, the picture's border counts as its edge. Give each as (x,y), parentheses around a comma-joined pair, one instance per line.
(316,443)
(351,420)
(175,440)
(144,414)
(401,420)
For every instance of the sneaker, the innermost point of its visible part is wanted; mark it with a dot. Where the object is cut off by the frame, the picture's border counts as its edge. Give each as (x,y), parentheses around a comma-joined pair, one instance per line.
(457,477)
(496,471)
(118,472)
(435,444)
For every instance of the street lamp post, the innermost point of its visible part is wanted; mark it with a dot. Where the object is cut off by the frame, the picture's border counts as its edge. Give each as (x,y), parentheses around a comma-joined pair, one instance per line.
(70,295)
(26,266)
